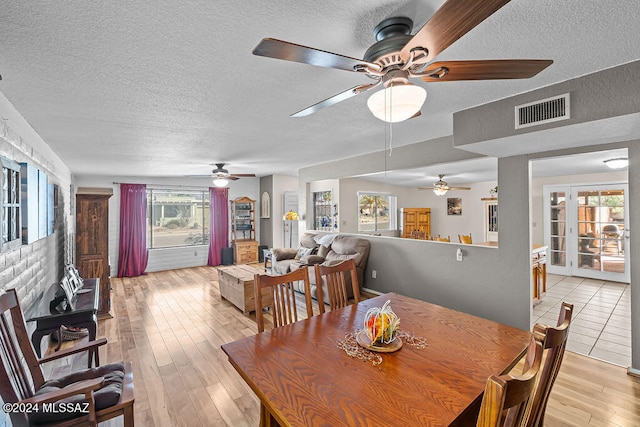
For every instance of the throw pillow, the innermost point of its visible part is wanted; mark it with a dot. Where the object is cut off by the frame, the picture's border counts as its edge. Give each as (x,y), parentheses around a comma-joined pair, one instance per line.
(302,251)
(323,251)
(307,241)
(325,239)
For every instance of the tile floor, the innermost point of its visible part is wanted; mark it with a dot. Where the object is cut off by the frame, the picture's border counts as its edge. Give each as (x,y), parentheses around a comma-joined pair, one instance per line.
(601,324)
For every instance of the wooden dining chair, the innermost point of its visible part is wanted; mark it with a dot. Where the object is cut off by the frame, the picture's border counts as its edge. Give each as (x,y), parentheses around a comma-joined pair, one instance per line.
(106,391)
(338,278)
(554,344)
(506,398)
(443,239)
(465,238)
(278,294)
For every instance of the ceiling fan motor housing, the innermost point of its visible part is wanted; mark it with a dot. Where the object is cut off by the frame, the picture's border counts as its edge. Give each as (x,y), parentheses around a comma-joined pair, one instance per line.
(392,35)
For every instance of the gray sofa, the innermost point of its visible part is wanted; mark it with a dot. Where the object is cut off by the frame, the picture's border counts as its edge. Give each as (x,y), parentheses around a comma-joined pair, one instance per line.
(325,248)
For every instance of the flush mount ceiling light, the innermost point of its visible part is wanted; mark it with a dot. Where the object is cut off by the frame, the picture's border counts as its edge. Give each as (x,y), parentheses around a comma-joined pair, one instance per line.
(399,100)
(618,163)
(220,182)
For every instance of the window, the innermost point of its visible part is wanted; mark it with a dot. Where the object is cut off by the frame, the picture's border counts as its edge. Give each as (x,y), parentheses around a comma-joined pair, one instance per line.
(377,211)
(10,215)
(323,218)
(177,218)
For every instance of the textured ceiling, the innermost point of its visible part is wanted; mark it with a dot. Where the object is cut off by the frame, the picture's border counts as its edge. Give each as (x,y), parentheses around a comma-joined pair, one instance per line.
(163,88)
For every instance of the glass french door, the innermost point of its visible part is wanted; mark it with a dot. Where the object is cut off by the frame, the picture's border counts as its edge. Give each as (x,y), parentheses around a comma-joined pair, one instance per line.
(586,231)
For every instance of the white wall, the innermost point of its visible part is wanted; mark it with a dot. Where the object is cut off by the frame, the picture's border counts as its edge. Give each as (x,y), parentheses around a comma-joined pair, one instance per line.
(349,204)
(281,183)
(472,218)
(166,258)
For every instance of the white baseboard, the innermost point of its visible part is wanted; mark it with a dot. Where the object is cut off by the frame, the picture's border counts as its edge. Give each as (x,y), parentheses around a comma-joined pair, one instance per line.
(371,291)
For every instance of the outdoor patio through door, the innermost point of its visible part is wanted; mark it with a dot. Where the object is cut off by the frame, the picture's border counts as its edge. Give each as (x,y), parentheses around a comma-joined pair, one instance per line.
(586,231)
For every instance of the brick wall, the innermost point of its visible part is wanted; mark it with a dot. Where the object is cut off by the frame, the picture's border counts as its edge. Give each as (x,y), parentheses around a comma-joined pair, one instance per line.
(30,268)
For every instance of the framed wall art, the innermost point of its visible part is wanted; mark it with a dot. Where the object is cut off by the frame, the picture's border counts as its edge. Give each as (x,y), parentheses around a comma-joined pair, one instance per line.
(454,206)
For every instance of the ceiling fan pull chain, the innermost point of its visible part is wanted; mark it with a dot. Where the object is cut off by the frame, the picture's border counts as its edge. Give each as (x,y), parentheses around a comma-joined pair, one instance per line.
(391,122)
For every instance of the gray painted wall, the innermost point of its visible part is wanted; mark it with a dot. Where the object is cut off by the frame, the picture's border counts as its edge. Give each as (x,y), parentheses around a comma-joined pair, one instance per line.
(597,97)
(634,248)
(609,93)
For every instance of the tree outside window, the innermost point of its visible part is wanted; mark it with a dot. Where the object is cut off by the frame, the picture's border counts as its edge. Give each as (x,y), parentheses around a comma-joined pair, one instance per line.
(177,218)
(377,211)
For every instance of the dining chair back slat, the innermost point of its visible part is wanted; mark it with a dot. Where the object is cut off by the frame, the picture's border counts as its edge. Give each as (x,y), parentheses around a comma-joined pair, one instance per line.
(465,238)
(281,290)
(554,344)
(506,398)
(337,278)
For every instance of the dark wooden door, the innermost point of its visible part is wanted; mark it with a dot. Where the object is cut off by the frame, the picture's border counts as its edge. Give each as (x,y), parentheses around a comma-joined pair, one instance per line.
(92,243)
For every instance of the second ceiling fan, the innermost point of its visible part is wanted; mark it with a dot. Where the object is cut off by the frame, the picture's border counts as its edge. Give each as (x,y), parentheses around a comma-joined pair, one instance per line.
(398,56)
(441,187)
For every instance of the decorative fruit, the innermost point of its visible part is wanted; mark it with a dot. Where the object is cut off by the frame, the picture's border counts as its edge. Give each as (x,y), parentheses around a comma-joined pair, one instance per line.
(381,324)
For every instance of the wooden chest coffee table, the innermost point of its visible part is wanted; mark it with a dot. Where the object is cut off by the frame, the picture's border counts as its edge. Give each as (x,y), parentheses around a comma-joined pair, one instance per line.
(236,286)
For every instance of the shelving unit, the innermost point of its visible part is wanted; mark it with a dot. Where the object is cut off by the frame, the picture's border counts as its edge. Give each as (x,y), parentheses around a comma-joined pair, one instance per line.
(243,230)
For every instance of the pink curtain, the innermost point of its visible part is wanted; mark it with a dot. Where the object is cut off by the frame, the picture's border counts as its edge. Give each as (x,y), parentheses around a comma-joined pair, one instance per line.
(133,254)
(219,224)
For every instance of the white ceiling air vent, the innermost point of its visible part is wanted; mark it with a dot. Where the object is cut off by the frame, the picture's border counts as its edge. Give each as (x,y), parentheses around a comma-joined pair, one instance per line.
(543,111)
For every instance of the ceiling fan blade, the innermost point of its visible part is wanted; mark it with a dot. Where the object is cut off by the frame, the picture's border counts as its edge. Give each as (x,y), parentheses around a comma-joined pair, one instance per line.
(280,49)
(356,90)
(241,175)
(231,177)
(445,188)
(449,71)
(453,20)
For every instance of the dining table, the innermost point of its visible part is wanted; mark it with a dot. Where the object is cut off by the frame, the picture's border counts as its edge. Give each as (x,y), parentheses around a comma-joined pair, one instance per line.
(302,377)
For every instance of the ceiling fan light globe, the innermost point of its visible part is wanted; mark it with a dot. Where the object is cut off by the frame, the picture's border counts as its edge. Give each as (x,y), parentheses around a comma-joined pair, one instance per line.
(397,103)
(440,191)
(220,182)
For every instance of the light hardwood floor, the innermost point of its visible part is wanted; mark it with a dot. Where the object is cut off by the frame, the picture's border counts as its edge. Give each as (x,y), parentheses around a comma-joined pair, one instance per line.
(171,325)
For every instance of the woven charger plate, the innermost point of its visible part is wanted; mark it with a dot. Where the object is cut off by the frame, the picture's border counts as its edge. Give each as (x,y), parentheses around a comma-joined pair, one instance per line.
(363,340)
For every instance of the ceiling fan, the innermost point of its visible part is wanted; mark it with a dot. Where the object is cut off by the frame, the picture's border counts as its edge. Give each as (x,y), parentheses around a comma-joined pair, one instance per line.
(398,56)
(221,176)
(441,187)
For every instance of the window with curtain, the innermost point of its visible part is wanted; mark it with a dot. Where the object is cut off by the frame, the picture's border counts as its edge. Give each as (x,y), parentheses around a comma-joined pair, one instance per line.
(177,218)
(377,211)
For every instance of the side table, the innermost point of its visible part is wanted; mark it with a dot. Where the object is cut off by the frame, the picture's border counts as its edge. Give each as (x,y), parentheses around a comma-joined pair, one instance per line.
(268,260)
